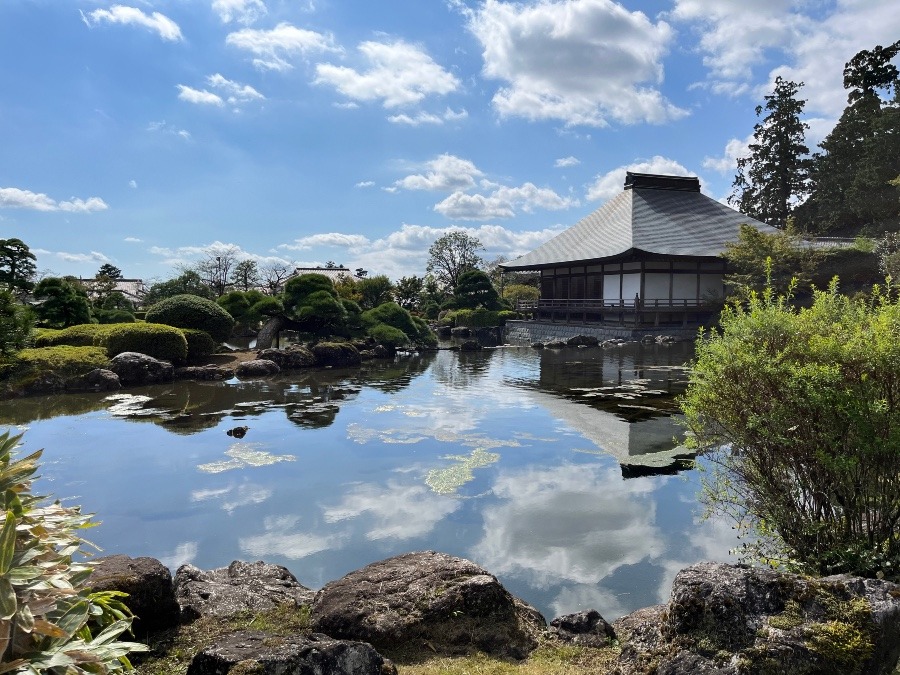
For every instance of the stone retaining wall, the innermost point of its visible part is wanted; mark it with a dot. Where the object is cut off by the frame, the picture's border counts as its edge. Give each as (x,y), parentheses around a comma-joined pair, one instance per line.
(528,332)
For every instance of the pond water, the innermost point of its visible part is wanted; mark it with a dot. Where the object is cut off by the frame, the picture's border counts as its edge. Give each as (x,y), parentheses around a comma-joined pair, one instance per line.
(534,464)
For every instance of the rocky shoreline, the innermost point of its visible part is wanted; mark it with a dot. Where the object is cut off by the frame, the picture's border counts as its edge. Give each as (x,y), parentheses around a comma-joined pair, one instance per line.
(720,619)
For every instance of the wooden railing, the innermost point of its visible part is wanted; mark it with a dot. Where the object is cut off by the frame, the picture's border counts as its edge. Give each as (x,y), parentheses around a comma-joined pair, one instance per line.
(599,304)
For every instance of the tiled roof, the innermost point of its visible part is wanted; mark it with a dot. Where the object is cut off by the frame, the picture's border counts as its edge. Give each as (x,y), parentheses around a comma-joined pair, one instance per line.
(650,219)
(332,273)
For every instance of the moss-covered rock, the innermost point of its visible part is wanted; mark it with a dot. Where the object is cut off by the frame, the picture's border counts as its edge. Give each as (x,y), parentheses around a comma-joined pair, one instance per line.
(337,354)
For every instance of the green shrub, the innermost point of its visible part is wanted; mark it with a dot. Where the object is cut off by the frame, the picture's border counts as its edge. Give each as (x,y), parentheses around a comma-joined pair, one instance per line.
(192,311)
(388,336)
(268,306)
(199,344)
(16,324)
(799,413)
(63,359)
(392,314)
(153,339)
(53,623)
(476,318)
(506,315)
(108,316)
(82,335)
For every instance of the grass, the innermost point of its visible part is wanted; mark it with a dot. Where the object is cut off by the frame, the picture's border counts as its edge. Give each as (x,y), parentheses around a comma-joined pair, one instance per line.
(171,652)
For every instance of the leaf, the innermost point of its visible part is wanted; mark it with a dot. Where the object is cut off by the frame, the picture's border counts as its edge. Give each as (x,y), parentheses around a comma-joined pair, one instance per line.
(7,542)
(12,665)
(24,619)
(43,627)
(8,601)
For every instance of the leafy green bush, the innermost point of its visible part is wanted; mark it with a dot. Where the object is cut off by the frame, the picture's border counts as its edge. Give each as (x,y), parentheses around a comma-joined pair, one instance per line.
(191,311)
(424,336)
(392,314)
(388,336)
(199,344)
(82,335)
(16,324)
(799,411)
(476,318)
(51,623)
(108,316)
(63,359)
(153,339)
(62,303)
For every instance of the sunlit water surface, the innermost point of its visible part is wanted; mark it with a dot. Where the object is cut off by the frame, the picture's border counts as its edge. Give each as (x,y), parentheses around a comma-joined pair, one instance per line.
(508,457)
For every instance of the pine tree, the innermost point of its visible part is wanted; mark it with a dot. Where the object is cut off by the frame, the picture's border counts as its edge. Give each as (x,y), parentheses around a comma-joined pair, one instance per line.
(851,177)
(774,177)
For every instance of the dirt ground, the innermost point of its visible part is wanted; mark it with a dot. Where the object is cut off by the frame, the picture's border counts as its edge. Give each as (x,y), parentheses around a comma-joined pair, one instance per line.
(229,360)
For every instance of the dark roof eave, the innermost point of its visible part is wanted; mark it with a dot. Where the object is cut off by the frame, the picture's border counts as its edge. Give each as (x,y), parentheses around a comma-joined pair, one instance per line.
(630,253)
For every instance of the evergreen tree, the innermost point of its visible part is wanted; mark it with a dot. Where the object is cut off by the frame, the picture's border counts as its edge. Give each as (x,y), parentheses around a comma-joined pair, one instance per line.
(852,176)
(17,267)
(109,271)
(772,179)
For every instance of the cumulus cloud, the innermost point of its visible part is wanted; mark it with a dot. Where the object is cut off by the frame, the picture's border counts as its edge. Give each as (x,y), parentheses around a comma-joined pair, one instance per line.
(810,44)
(132,183)
(399,74)
(394,511)
(15,198)
(273,48)
(156,22)
(242,11)
(734,150)
(503,202)
(443,173)
(133,240)
(200,97)
(610,184)
(236,92)
(428,118)
(280,538)
(185,255)
(564,162)
(581,62)
(337,239)
(365,184)
(92,257)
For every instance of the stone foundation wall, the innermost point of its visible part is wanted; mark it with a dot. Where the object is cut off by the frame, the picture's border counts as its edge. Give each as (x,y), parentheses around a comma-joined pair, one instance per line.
(528,332)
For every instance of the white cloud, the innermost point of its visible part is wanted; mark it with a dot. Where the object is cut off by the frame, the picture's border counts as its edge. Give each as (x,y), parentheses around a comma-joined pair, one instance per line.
(183,554)
(400,74)
(165,128)
(564,162)
(428,118)
(734,150)
(811,46)
(200,97)
(242,11)
(274,47)
(133,240)
(132,183)
(365,184)
(578,61)
(445,172)
(502,203)
(610,184)
(93,256)
(236,92)
(279,539)
(159,23)
(15,198)
(396,511)
(350,241)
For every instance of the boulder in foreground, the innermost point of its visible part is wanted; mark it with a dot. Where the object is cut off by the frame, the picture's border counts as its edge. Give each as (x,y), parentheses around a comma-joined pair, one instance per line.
(427,599)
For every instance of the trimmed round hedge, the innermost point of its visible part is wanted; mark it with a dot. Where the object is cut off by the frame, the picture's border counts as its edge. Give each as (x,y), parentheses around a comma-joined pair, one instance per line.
(199,344)
(153,339)
(192,311)
(82,335)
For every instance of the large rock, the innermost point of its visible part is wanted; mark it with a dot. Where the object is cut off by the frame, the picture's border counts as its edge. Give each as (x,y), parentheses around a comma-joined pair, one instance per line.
(204,373)
(583,341)
(586,628)
(136,369)
(447,604)
(336,354)
(290,358)
(264,654)
(728,619)
(148,584)
(240,587)
(257,368)
(98,379)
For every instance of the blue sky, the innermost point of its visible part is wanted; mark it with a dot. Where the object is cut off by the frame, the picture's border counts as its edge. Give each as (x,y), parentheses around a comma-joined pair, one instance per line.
(145,132)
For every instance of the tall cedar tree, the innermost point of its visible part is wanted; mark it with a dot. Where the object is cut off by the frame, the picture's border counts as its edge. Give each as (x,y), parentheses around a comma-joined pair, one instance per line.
(852,178)
(775,175)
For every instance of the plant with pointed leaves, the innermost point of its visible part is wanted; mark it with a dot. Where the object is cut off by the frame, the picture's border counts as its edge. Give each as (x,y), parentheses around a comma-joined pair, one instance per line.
(50,622)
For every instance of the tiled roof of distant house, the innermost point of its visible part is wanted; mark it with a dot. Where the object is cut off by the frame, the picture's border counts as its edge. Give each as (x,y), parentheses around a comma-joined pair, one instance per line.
(133,289)
(331,272)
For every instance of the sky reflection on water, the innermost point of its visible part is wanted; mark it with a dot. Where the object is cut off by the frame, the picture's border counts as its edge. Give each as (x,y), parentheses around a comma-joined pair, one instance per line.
(503,457)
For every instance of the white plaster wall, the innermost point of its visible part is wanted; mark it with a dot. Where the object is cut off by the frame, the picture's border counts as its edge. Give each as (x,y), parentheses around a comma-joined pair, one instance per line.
(684,286)
(656,286)
(631,285)
(611,286)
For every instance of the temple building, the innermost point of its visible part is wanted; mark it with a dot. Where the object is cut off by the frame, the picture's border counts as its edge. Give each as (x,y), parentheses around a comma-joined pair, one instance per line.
(646,259)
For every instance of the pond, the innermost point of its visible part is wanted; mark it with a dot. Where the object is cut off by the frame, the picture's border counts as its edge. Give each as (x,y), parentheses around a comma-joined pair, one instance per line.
(534,464)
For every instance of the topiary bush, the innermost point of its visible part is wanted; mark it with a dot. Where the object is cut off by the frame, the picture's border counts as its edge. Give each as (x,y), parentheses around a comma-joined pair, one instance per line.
(191,311)
(108,316)
(51,623)
(153,339)
(424,336)
(63,359)
(388,336)
(199,344)
(82,335)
